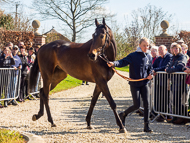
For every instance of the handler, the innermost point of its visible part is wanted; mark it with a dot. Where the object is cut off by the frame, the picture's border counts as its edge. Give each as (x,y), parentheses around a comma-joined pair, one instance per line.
(140,67)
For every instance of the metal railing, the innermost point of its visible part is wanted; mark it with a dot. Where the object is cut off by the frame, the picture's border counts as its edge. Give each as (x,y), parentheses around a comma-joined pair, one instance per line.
(170,95)
(9,83)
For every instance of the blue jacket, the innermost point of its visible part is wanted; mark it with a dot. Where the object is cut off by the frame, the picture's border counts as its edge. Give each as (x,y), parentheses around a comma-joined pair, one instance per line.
(17,62)
(176,64)
(167,58)
(140,66)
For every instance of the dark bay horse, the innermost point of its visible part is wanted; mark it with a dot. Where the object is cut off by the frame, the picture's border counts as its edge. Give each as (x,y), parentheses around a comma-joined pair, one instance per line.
(80,60)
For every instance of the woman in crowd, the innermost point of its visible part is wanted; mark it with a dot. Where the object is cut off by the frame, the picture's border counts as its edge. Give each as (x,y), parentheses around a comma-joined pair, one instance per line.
(177,64)
(154,53)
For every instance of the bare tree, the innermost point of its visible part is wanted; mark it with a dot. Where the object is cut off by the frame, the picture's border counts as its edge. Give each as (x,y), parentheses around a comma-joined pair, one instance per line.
(77,15)
(146,22)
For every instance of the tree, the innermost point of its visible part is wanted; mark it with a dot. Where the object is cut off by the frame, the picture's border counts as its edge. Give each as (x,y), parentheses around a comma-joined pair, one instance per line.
(76,15)
(146,23)
(6,21)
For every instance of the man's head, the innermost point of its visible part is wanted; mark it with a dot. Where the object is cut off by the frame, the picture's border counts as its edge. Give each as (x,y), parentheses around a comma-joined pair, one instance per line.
(31,51)
(144,44)
(162,50)
(15,50)
(20,43)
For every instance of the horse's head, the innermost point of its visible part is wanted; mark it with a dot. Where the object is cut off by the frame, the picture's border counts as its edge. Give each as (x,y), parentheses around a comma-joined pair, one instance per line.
(100,40)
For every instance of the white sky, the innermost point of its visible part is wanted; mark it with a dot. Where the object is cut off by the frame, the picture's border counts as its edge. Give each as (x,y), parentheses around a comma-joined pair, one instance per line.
(179,8)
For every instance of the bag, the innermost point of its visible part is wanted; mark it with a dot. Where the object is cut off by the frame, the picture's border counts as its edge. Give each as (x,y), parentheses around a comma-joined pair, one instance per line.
(187,80)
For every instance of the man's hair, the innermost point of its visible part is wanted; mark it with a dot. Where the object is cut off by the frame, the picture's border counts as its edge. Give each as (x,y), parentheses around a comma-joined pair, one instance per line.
(163,46)
(154,48)
(143,39)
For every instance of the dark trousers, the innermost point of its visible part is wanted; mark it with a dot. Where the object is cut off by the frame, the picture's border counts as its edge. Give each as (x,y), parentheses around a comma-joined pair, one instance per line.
(23,87)
(136,92)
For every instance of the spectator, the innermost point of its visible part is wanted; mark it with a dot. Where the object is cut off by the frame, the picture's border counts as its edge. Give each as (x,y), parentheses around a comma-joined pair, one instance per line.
(180,42)
(184,48)
(24,73)
(154,53)
(10,45)
(6,60)
(177,65)
(160,65)
(31,56)
(36,49)
(20,43)
(171,50)
(17,66)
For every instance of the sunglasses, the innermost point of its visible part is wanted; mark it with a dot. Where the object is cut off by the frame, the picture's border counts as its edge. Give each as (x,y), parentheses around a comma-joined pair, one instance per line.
(15,49)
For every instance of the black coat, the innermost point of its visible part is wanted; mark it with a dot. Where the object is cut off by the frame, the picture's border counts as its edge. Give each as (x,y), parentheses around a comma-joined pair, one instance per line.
(177,63)
(25,64)
(165,60)
(6,63)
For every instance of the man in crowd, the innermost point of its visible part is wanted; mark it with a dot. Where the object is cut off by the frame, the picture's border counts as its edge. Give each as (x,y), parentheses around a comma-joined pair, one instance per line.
(14,79)
(154,53)
(160,65)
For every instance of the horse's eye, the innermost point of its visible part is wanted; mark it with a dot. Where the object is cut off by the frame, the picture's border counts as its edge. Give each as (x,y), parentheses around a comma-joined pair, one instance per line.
(102,36)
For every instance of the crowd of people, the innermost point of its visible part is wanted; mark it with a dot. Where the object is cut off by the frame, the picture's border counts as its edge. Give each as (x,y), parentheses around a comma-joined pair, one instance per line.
(21,59)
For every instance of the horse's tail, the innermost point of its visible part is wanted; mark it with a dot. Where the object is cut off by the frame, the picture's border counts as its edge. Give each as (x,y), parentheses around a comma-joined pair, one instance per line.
(34,72)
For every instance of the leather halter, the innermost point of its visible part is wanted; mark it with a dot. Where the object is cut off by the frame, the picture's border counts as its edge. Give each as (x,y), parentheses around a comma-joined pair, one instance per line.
(103,56)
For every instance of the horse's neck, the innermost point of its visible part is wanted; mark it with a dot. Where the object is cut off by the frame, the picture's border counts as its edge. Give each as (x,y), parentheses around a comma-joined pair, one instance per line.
(110,52)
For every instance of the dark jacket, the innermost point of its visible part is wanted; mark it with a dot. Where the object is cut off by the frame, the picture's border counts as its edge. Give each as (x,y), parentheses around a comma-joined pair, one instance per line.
(140,66)
(25,65)
(6,63)
(164,61)
(176,64)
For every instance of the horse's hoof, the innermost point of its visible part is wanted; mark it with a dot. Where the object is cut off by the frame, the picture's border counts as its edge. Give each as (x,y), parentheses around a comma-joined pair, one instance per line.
(53,125)
(123,130)
(34,118)
(90,127)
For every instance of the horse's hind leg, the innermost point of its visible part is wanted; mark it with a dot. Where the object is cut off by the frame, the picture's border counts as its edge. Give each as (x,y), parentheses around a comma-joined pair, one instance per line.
(41,112)
(93,102)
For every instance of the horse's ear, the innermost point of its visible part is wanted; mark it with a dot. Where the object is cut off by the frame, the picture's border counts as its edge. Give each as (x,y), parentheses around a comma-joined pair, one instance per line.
(103,21)
(96,21)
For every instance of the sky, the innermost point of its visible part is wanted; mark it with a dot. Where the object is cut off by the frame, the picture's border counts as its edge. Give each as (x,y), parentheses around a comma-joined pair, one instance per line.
(123,8)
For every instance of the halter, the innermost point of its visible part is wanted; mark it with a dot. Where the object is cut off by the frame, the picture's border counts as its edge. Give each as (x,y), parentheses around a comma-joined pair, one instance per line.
(103,48)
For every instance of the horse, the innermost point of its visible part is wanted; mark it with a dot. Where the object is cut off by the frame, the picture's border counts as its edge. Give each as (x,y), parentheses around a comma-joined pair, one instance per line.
(80,60)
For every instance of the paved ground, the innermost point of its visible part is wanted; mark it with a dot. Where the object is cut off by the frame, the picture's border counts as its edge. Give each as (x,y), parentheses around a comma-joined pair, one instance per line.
(69,109)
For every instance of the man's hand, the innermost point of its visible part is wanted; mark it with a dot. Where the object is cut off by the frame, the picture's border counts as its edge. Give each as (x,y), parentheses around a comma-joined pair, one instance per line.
(149,77)
(110,64)
(154,73)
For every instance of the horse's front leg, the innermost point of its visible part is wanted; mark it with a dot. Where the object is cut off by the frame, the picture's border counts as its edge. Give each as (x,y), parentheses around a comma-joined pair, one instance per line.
(104,88)
(95,96)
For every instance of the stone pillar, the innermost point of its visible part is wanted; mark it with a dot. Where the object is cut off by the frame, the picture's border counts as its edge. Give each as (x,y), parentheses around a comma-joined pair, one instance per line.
(164,38)
(38,38)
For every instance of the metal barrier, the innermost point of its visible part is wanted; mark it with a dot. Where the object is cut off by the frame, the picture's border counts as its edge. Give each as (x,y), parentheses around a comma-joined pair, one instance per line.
(170,95)
(9,83)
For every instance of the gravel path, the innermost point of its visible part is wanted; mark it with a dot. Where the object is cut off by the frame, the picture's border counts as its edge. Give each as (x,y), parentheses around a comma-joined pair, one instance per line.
(69,109)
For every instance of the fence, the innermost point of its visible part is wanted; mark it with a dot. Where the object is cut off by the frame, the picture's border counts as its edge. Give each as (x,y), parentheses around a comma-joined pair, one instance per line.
(170,95)
(10,80)
(9,83)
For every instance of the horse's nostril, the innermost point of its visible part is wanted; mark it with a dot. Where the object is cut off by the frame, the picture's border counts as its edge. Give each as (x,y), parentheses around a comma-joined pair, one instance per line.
(91,55)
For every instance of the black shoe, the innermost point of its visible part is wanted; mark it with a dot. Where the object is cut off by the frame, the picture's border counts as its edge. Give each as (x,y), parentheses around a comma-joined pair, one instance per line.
(87,83)
(146,128)
(29,98)
(14,102)
(122,117)
(37,96)
(5,103)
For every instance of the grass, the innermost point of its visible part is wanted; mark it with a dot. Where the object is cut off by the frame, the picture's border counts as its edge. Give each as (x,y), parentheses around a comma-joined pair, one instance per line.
(7,136)
(69,82)
(126,69)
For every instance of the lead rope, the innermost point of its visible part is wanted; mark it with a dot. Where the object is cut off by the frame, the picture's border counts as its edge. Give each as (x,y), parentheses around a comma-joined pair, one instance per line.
(126,78)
